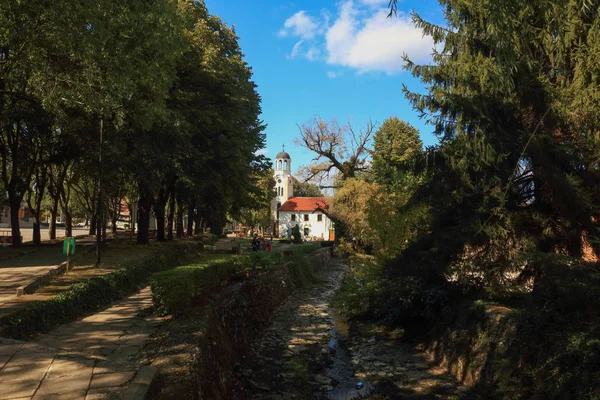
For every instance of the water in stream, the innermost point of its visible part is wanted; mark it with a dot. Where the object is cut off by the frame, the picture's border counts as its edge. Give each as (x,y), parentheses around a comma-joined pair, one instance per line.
(341,370)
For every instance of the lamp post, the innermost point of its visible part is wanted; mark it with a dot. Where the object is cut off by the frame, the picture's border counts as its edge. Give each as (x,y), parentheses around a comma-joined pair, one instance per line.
(99,210)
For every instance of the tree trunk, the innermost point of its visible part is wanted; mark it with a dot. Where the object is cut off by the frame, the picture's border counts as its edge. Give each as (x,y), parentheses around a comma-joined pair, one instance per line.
(171,216)
(37,235)
(115,216)
(179,218)
(131,219)
(198,228)
(53,216)
(144,205)
(159,210)
(93,221)
(191,217)
(15,204)
(37,221)
(68,222)
(104,224)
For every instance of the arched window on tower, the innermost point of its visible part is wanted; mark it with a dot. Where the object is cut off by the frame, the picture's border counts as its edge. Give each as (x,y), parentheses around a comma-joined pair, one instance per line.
(279,165)
(285,165)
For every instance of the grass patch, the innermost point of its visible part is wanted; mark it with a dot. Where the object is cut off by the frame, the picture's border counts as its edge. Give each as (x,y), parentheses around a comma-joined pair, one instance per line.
(93,294)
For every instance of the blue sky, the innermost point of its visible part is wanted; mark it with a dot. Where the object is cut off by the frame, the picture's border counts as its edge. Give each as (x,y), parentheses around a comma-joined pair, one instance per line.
(334,59)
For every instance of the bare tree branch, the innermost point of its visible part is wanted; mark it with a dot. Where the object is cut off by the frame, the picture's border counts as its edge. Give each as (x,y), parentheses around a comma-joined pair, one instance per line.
(338,148)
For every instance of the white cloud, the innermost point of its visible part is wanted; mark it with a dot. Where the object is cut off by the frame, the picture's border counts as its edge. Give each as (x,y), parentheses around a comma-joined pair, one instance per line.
(261,152)
(313,53)
(301,25)
(333,74)
(296,49)
(360,36)
(380,3)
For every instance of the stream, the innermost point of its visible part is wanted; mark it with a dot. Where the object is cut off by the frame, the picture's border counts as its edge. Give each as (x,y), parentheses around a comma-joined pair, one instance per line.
(307,352)
(341,370)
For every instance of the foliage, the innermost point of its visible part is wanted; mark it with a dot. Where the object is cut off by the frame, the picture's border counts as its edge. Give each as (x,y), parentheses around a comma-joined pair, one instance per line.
(407,300)
(352,206)
(514,161)
(306,189)
(93,294)
(396,143)
(174,290)
(258,214)
(182,129)
(296,236)
(304,249)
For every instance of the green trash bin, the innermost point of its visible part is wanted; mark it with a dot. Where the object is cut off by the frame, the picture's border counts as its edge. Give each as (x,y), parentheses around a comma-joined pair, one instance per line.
(69,246)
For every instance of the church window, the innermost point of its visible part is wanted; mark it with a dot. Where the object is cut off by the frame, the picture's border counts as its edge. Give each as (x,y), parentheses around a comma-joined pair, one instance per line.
(319,217)
(285,165)
(293,217)
(305,217)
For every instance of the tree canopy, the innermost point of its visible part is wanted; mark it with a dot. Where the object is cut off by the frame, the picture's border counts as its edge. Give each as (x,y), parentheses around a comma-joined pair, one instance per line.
(168,83)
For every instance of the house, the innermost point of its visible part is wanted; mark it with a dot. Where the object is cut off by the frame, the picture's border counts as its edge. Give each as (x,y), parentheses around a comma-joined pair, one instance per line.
(308,213)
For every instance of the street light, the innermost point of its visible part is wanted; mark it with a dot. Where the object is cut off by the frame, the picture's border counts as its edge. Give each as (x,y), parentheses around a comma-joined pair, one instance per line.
(99,211)
(100,219)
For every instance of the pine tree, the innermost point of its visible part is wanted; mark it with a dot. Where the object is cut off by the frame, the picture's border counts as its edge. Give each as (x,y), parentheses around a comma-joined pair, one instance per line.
(513,97)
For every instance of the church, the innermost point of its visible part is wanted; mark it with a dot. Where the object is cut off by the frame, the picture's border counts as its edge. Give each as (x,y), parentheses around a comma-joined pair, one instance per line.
(305,212)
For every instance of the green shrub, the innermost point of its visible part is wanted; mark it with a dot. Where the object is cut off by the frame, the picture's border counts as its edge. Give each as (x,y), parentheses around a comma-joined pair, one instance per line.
(301,271)
(174,290)
(304,249)
(93,294)
(297,238)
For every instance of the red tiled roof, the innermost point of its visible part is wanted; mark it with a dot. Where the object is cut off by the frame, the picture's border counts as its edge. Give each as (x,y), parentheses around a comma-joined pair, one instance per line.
(305,204)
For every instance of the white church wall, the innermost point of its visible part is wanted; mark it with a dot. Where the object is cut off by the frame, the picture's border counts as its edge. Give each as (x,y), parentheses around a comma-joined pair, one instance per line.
(316,228)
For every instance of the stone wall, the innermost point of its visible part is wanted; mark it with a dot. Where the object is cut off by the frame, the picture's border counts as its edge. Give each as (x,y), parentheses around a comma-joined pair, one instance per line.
(236,317)
(469,348)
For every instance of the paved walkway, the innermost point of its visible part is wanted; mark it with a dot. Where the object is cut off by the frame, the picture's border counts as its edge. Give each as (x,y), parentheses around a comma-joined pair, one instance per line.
(22,270)
(93,358)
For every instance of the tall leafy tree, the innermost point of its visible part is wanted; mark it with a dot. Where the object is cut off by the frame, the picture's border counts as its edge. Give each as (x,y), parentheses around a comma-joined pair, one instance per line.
(519,155)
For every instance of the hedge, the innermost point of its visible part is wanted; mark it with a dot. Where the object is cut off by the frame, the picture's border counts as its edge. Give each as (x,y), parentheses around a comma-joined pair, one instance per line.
(94,294)
(174,290)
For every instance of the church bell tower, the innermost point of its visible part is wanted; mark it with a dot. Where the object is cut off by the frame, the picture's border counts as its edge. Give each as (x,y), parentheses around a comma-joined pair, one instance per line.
(284,183)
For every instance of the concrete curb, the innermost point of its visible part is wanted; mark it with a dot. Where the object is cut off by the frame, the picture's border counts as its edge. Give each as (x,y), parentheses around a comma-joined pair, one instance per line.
(32,286)
(138,388)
